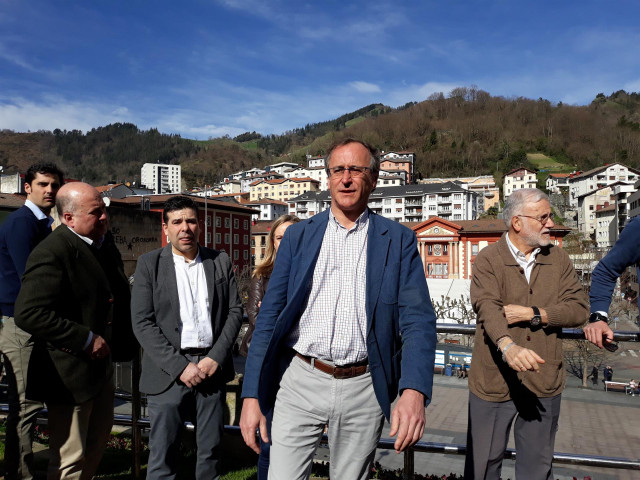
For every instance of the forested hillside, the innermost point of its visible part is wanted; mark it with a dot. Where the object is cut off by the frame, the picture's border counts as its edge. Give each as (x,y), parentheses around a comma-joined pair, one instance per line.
(465,132)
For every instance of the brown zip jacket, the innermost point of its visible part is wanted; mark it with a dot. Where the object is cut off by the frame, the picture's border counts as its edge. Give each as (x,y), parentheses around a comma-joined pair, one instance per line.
(498,280)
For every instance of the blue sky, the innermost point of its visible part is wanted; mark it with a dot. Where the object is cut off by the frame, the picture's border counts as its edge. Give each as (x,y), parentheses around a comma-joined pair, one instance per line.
(213,67)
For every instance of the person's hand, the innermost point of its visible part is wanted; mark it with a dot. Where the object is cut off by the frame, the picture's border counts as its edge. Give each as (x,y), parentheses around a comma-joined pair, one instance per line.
(250,419)
(407,419)
(192,375)
(522,359)
(208,366)
(598,333)
(517,314)
(98,348)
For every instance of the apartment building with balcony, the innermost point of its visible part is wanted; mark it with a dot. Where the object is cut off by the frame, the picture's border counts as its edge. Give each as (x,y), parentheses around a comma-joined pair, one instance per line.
(392,161)
(269,209)
(161,178)
(556,182)
(282,189)
(517,179)
(583,183)
(484,185)
(404,203)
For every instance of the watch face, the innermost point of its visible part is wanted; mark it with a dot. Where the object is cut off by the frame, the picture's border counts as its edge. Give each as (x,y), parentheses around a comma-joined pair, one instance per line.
(535,321)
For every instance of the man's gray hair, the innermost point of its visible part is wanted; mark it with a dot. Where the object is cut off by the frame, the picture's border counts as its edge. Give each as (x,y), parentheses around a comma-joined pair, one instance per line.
(374,157)
(514,204)
(66,203)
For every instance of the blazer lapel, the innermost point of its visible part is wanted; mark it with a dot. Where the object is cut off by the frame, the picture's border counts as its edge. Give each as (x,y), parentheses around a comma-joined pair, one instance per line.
(209,273)
(310,245)
(377,248)
(167,279)
(85,254)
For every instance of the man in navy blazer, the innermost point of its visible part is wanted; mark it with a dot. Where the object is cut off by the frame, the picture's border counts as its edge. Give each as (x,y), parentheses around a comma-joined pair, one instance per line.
(624,253)
(345,325)
(20,233)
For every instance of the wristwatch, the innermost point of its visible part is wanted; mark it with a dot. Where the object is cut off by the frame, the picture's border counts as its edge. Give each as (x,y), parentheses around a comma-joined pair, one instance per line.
(536,319)
(598,317)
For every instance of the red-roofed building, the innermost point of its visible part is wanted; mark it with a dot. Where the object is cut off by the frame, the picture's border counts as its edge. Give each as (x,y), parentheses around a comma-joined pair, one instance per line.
(449,249)
(392,161)
(224,225)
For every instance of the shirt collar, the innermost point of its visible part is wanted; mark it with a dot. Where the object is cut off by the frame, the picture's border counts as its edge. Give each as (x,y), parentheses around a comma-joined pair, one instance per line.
(182,260)
(361,222)
(40,215)
(517,254)
(87,240)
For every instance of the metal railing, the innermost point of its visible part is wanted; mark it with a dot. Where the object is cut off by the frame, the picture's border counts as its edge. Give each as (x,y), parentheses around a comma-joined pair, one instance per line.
(138,423)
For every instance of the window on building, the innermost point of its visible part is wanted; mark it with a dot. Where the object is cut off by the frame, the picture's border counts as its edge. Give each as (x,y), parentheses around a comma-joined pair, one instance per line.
(217,221)
(253,242)
(208,239)
(235,255)
(445,249)
(236,223)
(387,201)
(246,224)
(218,239)
(245,255)
(226,238)
(387,210)
(474,249)
(236,239)
(208,220)
(227,222)
(398,200)
(245,239)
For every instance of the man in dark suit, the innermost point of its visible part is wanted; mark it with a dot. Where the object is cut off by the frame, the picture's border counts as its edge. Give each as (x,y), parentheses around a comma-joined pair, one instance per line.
(186,313)
(19,234)
(74,301)
(346,323)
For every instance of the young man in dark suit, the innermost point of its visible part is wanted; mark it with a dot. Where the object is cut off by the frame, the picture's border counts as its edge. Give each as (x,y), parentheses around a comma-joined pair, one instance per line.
(74,300)
(19,234)
(186,314)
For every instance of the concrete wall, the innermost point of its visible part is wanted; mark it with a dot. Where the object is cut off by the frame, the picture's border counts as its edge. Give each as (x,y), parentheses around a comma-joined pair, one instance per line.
(135,232)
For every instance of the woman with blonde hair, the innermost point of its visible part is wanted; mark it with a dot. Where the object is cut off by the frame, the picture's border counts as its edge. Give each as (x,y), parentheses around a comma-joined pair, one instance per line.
(257,289)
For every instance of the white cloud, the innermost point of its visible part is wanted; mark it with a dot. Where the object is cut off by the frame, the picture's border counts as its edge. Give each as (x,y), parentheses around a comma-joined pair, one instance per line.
(21,115)
(365,87)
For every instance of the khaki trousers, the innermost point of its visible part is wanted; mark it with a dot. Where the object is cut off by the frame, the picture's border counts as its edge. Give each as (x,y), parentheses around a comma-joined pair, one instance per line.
(308,400)
(16,347)
(79,435)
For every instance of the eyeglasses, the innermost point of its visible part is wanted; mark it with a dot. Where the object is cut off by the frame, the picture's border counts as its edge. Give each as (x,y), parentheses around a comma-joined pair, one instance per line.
(353,171)
(543,219)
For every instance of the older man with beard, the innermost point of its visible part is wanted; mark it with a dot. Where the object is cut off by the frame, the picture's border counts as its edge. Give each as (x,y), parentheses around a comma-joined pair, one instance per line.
(524,291)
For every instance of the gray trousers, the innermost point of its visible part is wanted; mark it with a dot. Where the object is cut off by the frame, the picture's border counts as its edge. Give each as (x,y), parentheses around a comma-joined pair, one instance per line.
(309,399)
(534,433)
(16,347)
(168,411)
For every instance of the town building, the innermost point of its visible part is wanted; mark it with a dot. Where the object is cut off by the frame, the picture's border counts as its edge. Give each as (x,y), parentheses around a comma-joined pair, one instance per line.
(269,209)
(392,161)
(484,185)
(588,203)
(161,178)
(280,167)
(259,235)
(583,183)
(605,226)
(556,182)
(448,249)
(403,203)
(225,225)
(282,189)
(517,179)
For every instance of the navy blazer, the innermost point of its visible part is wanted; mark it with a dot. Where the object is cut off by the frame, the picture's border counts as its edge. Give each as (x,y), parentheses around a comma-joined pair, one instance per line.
(624,253)
(401,325)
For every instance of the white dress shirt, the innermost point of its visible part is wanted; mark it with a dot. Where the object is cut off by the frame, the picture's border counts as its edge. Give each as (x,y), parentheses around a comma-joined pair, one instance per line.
(333,326)
(195,313)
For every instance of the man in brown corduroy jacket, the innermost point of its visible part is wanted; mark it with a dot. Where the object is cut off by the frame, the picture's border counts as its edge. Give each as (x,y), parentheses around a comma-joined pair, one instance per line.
(524,291)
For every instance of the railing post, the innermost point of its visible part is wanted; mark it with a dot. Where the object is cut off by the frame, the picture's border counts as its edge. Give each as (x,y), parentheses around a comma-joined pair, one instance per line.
(409,469)
(136,431)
